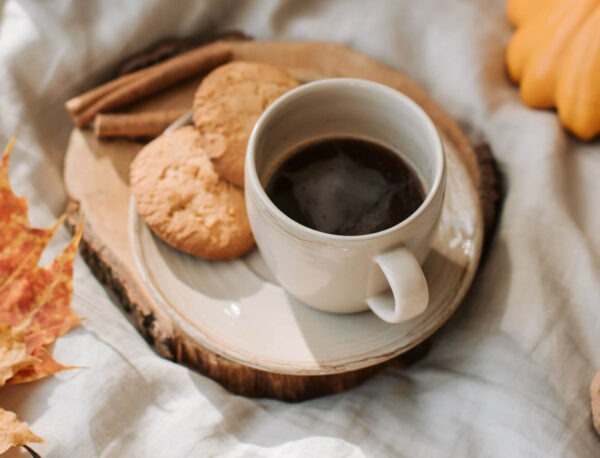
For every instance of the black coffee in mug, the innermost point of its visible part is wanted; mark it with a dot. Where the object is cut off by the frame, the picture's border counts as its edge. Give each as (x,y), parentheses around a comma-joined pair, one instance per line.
(345,186)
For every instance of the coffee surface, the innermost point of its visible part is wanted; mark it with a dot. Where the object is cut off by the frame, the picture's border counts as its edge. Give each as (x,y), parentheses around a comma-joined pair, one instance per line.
(345,186)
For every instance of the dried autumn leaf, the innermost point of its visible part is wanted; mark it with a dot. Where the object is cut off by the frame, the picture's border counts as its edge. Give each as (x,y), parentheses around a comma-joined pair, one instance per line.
(42,297)
(37,297)
(23,295)
(14,433)
(55,317)
(43,366)
(34,301)
(13,209)
(21,247)
(13,353)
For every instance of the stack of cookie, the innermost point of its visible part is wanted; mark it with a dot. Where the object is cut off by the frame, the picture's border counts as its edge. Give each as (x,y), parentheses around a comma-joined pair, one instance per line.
(188,185)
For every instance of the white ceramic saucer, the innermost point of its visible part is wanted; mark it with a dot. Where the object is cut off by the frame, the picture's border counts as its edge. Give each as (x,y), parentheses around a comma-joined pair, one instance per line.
(237,310)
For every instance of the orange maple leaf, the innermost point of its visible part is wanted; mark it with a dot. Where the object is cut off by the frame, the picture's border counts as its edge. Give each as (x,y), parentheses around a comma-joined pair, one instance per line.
(36,298)
(21,247)
(35,302)
(13,353)
(13,432)
(42,298)
(44,365)
(13,209)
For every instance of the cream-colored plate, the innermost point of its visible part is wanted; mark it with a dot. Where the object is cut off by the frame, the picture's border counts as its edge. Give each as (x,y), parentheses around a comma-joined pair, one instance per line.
(237,310)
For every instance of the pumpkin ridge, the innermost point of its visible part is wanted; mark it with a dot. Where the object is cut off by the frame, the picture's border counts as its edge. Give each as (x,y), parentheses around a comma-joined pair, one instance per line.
(528,38)
(554,56)
(538,85)
(578,86)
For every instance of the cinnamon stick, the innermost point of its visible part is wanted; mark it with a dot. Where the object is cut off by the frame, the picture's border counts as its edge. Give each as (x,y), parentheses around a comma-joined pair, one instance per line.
(151,80)
(83,101)
(135,125)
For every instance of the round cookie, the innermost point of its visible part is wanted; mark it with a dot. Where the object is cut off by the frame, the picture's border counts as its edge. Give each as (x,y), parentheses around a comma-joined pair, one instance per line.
(228,103)
(185,202)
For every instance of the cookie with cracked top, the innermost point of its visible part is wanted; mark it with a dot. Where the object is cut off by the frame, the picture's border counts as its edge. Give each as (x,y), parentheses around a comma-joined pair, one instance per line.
(185,202)
(228,103)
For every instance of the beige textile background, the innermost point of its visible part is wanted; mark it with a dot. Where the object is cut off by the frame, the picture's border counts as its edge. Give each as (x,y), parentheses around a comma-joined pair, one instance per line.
(507,376)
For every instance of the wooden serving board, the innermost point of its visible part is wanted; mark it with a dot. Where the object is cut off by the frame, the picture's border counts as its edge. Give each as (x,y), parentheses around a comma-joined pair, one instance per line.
(96,176)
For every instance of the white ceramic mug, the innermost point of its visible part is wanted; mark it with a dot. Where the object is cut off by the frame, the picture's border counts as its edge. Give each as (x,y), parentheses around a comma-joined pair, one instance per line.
(344,274)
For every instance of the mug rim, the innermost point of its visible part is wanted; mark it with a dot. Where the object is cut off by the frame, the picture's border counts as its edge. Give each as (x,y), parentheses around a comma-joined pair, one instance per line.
(324,84)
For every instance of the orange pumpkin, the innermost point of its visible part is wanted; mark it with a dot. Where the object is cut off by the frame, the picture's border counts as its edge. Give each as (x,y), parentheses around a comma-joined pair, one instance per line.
(555,57)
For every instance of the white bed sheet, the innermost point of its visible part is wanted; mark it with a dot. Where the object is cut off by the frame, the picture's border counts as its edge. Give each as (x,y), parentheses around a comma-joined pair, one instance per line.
(507,376)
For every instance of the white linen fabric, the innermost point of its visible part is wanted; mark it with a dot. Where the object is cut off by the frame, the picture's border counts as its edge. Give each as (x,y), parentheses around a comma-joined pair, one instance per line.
(509,373)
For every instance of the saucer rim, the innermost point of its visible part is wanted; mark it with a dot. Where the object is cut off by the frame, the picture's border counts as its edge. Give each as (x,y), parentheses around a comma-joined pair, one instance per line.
(325,368)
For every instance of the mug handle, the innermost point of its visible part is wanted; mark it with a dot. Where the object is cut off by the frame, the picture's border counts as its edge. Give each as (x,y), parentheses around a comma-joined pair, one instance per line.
(408,295)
